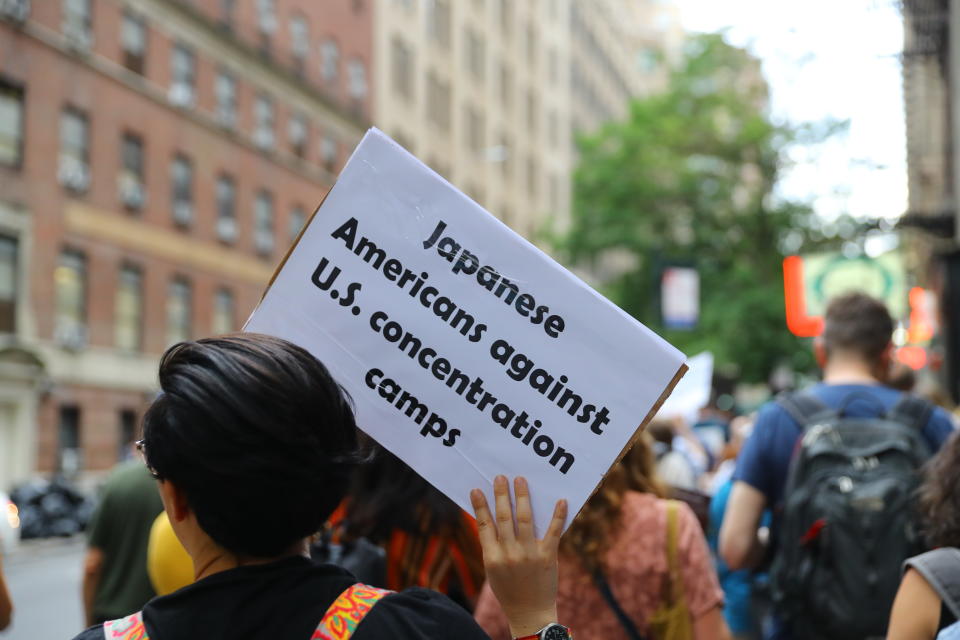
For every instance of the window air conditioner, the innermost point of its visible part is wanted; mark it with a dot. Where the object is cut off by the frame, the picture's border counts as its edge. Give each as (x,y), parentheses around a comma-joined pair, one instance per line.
(71,337)
(181,94)
(73,174)
(132,193)
(183,213)
(79,37)
(263,242)
(227,229)
(15,10)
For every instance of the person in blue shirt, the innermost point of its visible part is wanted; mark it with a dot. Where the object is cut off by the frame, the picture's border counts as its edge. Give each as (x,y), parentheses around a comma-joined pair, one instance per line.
(854,352)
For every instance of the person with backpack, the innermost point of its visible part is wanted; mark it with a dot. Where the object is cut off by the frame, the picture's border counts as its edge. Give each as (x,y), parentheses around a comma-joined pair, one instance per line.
(927,606)
(252,445)
(843,521)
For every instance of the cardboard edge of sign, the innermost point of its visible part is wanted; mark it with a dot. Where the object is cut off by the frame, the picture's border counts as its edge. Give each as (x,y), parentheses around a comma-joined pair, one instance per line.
(682,371)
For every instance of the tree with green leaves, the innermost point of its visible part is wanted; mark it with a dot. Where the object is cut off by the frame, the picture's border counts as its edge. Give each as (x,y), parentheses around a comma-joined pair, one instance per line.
(688,178)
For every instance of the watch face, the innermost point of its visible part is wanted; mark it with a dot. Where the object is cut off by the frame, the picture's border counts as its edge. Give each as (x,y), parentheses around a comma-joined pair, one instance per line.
(556,632)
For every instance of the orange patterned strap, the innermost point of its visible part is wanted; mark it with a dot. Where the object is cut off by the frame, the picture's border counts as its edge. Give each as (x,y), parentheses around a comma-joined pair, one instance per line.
(347,611)
(129,628)
(338,623)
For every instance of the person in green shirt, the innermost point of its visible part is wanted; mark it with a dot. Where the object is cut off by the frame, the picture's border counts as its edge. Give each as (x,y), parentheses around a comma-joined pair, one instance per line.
(115,580)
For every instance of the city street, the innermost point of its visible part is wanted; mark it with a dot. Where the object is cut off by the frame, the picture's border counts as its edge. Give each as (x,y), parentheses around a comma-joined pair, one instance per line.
(44,580)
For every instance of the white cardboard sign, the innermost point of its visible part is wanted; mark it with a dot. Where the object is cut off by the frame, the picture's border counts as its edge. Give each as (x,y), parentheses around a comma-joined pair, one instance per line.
(468,352)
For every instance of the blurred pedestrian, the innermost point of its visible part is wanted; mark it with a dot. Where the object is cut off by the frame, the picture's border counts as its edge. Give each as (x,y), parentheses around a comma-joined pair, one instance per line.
(429,541)
(632,565)
(673,467)
(854,353)
(928,601)
(6,604)
(115,580)
(253,445)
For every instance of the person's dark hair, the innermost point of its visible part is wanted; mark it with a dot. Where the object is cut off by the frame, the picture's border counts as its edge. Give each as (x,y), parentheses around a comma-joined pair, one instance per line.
(257,434)
(387,494)
(858,323)
(940,496)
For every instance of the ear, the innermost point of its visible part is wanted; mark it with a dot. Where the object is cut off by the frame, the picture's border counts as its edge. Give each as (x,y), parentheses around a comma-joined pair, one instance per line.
(820,352)
(174,501)
(886,362)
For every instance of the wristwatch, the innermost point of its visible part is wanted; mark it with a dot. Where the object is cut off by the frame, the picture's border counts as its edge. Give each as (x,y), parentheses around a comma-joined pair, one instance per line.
(552,631)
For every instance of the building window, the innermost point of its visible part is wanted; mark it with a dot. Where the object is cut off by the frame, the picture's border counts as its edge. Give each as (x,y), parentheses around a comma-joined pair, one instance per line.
(181,180)
(128,313)
(70,281)
(182,76)
(227,12)
(532,112)
(263,114)
(73,171)
(357,80)
(226,209)
(9,272)
(532,176)
(506,153)
(223,312)
(531,45)
(11,125)
(132,192)
(328,152)
(401,60)
(77,23)
(298,218)
(299,43)
(266,21)
(329,62)
(475,133)
(438,22)
(299,133)
(263,223)
(226,90)
(506,17)
(553,70)
(554,193)
(475,54)
(438,102)
(127,434)
(133,39)
(178,311)
(506,86)
(69,461)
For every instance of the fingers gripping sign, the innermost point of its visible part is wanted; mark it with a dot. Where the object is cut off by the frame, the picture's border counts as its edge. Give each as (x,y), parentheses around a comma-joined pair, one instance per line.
(521,569)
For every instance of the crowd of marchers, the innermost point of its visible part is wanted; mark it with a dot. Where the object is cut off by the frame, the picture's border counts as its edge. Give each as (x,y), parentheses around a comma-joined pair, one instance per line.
(257,509)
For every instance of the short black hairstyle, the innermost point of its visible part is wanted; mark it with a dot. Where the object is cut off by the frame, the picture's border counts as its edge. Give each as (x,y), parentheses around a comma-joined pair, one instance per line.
(859,323)
(257,434)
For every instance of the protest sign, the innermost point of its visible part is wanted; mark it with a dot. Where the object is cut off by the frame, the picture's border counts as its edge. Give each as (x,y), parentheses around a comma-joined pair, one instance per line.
(692,393)
(467,351)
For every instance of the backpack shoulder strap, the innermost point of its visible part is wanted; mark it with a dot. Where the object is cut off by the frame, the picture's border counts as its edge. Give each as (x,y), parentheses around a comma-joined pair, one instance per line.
(804,407)
(911,410)
(129,628)
(347,611)
(941,569)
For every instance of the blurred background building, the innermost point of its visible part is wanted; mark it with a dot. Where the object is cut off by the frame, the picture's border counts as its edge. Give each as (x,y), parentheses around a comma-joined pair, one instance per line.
(156,159)
(931,86)
(490,92)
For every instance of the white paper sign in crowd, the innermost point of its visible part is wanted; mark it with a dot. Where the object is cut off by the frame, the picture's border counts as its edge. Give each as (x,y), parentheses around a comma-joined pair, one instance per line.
(467,351)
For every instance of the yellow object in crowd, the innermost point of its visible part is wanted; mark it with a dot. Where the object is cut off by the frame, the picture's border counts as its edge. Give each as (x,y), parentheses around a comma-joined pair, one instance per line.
(168,564)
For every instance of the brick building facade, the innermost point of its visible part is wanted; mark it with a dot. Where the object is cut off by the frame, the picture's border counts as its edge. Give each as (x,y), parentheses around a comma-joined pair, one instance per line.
(156,159)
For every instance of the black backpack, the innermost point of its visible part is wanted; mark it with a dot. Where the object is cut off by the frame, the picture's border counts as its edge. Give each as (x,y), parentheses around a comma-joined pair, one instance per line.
(848,520)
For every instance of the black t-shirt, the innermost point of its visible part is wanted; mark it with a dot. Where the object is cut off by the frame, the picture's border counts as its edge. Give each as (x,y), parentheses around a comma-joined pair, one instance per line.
(285,600)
